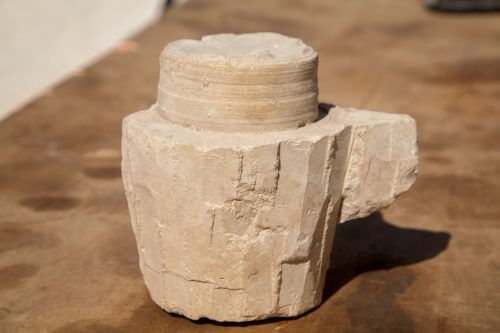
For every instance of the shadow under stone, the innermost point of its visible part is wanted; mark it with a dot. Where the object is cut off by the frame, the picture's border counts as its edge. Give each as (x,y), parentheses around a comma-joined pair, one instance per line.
(371,244)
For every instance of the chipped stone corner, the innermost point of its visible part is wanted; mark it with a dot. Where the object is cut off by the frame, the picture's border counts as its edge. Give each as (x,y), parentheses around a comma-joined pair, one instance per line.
(383,160)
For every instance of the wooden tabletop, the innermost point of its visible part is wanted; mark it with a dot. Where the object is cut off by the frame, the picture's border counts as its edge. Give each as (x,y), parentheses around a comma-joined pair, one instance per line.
(429,263)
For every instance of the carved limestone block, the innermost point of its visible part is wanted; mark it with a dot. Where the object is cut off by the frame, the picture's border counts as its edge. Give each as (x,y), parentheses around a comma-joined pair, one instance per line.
(235,182)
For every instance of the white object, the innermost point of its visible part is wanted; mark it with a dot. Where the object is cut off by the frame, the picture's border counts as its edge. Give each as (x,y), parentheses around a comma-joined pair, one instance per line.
(44,42)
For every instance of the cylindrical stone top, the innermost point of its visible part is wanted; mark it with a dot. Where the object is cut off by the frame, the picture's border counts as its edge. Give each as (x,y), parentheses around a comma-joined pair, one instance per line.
(247,82)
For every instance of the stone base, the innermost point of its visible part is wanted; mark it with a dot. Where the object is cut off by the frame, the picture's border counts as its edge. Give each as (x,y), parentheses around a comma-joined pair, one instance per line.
(239,226)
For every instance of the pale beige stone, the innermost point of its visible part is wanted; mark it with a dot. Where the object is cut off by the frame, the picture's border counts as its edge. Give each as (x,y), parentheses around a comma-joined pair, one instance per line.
(234,220)
(245,82)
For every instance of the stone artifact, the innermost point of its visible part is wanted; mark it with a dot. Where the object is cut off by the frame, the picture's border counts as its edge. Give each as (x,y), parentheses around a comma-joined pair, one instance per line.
(235,182)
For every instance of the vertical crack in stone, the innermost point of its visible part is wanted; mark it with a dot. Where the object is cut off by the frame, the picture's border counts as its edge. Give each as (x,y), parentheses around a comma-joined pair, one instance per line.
(331,155)
(212,220)
(241,156)
(351,159)
(278,171)
(352,166)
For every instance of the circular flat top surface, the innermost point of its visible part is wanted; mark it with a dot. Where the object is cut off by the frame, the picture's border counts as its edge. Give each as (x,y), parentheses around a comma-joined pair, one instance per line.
(265,48)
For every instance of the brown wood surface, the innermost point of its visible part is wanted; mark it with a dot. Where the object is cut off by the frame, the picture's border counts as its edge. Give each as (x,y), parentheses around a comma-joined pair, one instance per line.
(430,263)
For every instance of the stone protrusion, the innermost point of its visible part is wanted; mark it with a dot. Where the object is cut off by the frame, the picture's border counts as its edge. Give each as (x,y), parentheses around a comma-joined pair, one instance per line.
(246,82)
(382,163)
(235,222)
